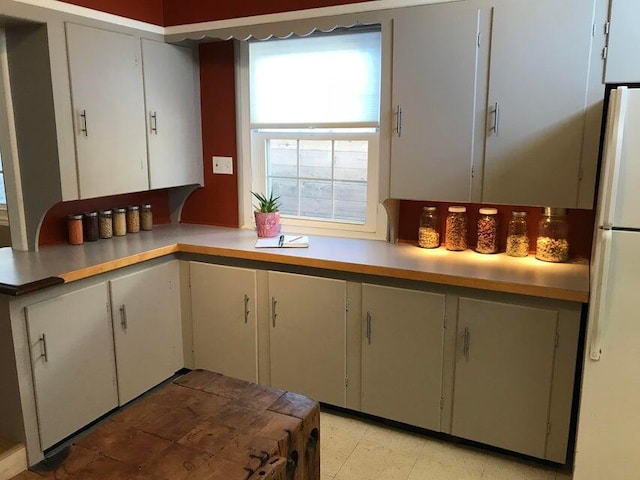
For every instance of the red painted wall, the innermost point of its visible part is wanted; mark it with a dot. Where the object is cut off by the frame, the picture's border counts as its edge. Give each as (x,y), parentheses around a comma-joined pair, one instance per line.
(54,225)
(150,11)
(581,223)
(217,202)
(177,12)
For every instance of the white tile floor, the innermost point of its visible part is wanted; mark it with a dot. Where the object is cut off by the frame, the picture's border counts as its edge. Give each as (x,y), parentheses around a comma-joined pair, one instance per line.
(354,449)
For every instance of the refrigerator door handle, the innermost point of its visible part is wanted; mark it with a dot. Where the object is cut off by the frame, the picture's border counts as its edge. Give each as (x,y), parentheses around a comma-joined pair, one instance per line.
(599,280)
(612,155)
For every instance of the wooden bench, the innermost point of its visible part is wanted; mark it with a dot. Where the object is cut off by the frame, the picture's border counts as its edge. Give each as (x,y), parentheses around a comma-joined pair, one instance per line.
(201,426)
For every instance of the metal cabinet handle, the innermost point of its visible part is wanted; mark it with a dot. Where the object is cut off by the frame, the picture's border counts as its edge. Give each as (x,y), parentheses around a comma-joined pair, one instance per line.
(467,338)
(246,308)
(83,117)
(154,122)
(369,327)
(274,302)
(45,354)
(496,119)
(399,121)
(123,317)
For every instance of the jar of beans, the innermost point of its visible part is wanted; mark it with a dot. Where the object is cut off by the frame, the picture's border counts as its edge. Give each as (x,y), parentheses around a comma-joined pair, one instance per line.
(429,231)
(133,219)
(106,223)
(518,235)
(487,231)
(552,244)
(90,226)
(456,229)
(146,217)
(119,222)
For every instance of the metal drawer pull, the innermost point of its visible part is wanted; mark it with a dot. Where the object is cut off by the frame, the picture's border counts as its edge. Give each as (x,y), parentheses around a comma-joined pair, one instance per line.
(496,119)
(45,354)
(154,122)
(467,338)
(123,317)
(274,302)
(246,308)
(84,128)
(369,327)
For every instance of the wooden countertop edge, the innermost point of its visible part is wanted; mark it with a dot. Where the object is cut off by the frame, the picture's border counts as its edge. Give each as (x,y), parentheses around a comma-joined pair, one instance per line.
(478,283)
(118,263)
(263,256)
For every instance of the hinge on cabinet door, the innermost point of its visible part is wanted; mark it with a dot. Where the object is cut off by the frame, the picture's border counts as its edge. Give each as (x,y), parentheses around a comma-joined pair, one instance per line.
(108,308)
(478,40)
(346,380)
(346,306)
(473,172)
(444,321)
(548,428)
(580,174)
(605,50)
(607,26)
(557,341)
(441,403)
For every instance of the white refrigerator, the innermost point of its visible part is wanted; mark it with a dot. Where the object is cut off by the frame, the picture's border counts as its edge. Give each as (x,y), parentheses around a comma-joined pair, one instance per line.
(608,434)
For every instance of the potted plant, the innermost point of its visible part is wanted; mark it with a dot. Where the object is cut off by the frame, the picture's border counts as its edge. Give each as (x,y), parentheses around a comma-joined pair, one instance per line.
(267,215)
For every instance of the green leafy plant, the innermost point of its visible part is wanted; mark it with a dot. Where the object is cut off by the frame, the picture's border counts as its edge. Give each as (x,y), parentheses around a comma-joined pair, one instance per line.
(266,205)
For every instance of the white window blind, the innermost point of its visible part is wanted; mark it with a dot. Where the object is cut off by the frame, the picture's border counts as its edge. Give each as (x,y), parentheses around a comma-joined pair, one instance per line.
(326,80)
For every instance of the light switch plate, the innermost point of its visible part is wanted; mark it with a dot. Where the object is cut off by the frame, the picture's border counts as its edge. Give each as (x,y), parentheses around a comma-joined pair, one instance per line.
(223,165)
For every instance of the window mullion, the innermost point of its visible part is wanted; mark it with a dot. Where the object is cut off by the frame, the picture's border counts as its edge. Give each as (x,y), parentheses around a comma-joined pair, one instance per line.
(333,179)
(298,177)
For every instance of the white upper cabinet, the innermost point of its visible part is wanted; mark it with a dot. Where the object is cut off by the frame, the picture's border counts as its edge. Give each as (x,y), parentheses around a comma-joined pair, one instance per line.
(172,99)
(105,69)
(537,122)
(623,54)
(435,78)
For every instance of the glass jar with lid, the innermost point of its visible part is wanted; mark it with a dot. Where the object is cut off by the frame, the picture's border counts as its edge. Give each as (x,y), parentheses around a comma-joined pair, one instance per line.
(90,226)
(146,217)
(119,221)
(74,229)
(518,235)
(133,219)
(106,223)
(429,231)
(456,229)
(487,231)
(552,244)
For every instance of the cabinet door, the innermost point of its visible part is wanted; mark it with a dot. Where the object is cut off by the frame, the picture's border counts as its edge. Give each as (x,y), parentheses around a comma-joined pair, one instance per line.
(223,311)
(434,97)
(536,113)
(402,354)
(147,328)
(503,374)
(171,90)
(307,335)
(73,365)
(623,54)
(108,111)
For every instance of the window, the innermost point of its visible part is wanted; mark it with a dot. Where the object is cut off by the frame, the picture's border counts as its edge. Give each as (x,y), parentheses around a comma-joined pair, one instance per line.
(314,117)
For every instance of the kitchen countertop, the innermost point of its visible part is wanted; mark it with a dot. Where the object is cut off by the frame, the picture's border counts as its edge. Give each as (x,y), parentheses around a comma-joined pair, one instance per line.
(24,272)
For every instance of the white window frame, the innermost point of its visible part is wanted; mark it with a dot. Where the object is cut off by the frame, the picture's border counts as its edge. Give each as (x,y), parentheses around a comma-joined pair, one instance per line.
(252,165)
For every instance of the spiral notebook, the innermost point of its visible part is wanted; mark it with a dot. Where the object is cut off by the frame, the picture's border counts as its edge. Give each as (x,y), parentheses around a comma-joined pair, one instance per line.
(283,241)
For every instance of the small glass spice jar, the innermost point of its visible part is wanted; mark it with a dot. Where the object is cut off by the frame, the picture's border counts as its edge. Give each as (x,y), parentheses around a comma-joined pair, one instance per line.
(105,220)
(90,226)
(133,219)
(146,217)
(429,231)
(518,235)
(119,222)
(552,244)
(456,229)
(74,229)
(487,231)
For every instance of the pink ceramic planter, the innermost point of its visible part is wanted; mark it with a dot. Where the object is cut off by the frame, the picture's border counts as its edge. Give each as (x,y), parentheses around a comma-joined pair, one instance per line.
(267,224)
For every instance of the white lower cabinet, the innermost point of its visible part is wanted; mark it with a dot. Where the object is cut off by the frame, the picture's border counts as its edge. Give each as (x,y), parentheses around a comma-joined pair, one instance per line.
(308,335)
(147,328)
(223,311)
(402,354)
(73,361)
(504,375)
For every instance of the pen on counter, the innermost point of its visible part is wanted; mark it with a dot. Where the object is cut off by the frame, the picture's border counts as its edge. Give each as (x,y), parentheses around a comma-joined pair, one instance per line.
(281,241)
(295,239)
